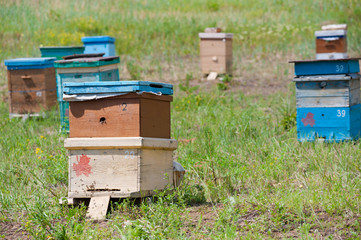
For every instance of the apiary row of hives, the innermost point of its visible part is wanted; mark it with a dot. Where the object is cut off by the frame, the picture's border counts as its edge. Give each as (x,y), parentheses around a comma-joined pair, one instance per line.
(119,131)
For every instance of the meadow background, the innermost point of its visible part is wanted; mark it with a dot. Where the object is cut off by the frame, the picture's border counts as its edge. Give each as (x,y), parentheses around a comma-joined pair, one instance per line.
(247,175)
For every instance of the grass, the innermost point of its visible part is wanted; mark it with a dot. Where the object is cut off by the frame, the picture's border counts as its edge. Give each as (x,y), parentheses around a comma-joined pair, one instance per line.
(247,175)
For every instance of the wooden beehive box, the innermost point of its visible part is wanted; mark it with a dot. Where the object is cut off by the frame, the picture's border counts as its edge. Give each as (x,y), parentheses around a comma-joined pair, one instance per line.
(119,167)
(216,52)
(82,69)
(328,99)
(331,42)
(31,84)
(119,109)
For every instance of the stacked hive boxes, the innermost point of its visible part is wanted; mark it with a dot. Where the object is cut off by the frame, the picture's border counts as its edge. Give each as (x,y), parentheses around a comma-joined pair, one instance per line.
(32,86)
(328,99)
(119,140)
(83,68)
(331,42)
(216,51)
(99,44)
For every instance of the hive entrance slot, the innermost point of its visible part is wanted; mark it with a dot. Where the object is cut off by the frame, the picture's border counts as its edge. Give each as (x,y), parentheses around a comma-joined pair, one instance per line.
(103,190)
(155,85)
(102,120)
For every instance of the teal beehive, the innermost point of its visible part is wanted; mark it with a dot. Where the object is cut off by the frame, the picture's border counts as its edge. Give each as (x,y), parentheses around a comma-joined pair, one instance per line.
(82,68)
(99,44)
(61,51)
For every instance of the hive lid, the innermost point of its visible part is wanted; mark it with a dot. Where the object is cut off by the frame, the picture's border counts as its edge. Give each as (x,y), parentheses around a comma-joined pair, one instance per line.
(86,62)
(326,66)
(330,33)
(98,39)
(29,63)
(121,87)
(120,142)
(215,35)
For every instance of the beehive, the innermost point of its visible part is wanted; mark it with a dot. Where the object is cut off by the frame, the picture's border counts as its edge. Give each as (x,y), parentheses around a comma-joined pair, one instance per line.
(328,99)
(119,167)
(119,109)
(216,52)
(83,69)
(31,84)
(331,42)
(60,51)
(99,44)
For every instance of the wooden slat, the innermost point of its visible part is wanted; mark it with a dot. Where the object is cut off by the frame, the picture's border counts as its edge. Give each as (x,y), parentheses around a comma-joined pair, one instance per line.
(98,207)
(156,169)
(332,94)
(121,142)
(111,193)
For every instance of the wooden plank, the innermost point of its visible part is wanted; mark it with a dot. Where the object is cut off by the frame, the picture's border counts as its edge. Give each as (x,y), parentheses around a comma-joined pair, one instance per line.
(156,169)
(328,93)
(98,207)
(120,142)
(112,194)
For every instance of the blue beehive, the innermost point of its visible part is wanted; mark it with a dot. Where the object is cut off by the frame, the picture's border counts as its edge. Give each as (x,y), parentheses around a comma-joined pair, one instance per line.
(61,51)
(328,99)
(82,69)
(99,44)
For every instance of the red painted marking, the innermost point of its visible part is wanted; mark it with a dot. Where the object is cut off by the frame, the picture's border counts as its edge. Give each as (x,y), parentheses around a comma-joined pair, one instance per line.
(83,166)
(308,120)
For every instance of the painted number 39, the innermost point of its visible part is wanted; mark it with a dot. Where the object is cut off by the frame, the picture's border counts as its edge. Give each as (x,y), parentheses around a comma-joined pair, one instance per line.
(339,68)
(341,113)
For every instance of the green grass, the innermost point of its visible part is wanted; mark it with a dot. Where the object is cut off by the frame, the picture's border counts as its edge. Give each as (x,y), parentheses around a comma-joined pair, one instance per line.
(247,175)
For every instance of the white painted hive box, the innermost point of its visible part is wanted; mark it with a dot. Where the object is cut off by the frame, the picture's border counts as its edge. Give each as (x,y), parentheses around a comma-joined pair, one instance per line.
(119,166)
